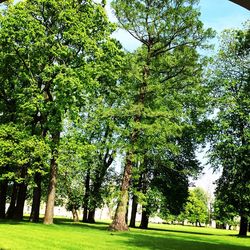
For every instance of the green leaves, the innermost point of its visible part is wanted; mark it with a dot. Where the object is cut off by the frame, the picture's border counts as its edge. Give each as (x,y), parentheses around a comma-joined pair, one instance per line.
(230,141)
(19,149)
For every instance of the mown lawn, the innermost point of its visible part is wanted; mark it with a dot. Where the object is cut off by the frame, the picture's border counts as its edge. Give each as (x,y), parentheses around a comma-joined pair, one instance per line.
(65,234)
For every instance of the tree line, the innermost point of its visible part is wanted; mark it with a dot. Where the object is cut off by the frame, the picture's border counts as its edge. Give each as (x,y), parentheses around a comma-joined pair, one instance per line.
(73,103)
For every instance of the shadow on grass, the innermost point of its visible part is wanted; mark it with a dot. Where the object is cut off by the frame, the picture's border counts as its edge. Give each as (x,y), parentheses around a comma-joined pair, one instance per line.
(178,231)
(167,242)
(10,222)
(196,233)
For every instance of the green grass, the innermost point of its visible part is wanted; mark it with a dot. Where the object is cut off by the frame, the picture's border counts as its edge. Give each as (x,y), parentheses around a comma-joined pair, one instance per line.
(67,235)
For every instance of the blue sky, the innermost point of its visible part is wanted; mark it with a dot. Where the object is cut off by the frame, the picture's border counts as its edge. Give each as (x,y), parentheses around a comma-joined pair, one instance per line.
(222,14)
(217,14)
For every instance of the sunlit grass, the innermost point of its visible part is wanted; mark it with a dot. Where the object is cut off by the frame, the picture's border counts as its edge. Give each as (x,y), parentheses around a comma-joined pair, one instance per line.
(65,234)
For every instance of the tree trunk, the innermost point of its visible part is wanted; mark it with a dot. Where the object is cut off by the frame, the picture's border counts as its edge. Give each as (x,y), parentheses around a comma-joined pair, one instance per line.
(126,216)
(49,211)
(249,227)
(75,215)
(243,226)
(144,219)
(11,208)
(22,190)
(3,195)
(86,197)
(133,211)
(119,221)
(91,216)
(35,211)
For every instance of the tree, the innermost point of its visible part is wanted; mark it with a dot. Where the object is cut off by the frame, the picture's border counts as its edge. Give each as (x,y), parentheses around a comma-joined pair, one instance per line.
(230,140)
(21,157)
(164,65)
(166,174)
(71,173)
(57,48)
(196,209)
(224,214)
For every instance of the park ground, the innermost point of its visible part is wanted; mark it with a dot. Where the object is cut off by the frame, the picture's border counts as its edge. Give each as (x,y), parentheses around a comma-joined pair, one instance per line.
(65,234)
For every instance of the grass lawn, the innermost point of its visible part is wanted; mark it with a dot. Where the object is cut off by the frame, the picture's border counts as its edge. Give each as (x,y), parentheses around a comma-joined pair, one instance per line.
(65,234)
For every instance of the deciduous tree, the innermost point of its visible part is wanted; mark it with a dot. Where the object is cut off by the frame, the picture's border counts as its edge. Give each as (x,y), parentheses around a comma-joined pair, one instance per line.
(164,73)
(230,141)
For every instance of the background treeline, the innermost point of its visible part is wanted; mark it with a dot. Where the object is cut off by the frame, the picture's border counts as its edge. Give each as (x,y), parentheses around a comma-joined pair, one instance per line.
(74,106)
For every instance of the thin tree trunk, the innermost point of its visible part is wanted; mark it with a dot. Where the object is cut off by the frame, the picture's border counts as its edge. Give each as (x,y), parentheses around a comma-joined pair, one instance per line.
(49,211)
(35,211)
(86,197)
(243,226)
(144,219)
(75,215)
(119,221)
(133,211)
(91,216)
(135,203)
(11,208)
(126,216)
(3,195)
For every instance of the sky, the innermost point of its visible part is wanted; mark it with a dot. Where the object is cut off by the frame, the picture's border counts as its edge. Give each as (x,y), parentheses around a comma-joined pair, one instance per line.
(216,14)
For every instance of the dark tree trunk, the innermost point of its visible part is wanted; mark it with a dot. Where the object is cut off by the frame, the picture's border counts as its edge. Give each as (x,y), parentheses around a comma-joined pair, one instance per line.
(86,197)
(49,211)
(91,216)
(126,216)
(75,215)
(85,214)
(22,190)
(11,208)
(144,219)
(119,221)
(135,203)
(243,226)
(133,211)
(3,195)
(248,227)
(35,211)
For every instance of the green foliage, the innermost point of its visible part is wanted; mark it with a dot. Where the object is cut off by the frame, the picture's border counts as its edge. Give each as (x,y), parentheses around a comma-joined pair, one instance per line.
(19,149)
(57,59)
(196,209)
(231,138)
(225,213)
(161,83)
